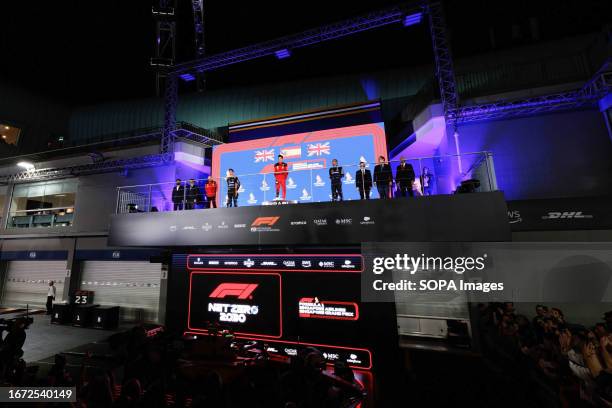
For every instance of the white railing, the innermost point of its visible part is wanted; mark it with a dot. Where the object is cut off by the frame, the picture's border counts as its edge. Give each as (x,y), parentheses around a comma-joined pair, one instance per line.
(314,184)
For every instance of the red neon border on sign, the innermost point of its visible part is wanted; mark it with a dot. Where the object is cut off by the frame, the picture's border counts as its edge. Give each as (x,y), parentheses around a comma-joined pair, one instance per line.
(280,302)
(305,344)
(216,269)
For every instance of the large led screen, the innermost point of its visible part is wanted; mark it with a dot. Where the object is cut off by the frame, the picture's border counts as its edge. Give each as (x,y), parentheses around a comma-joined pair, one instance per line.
(290,301)
(308,156)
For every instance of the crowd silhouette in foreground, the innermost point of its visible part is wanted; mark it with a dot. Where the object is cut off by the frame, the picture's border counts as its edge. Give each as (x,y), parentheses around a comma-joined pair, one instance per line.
(163,371)
(552,361)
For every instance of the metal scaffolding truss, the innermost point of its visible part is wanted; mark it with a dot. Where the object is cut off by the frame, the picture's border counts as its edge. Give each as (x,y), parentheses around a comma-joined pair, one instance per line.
(71,171)
(596,88)
(198,28)
(183,130)
(165,40)
(445,71)
(170,102)
(303,39)
(599,86)
(196,134)
(269,48)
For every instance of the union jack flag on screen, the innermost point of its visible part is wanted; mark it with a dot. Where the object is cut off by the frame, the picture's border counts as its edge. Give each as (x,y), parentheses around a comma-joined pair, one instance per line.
(264,155)
(318,149)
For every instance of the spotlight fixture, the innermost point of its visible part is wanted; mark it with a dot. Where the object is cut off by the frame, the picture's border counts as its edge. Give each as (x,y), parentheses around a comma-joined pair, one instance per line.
(26,165)
(7,127)
(412,19)
(187,77)
(132,208)
(282,54)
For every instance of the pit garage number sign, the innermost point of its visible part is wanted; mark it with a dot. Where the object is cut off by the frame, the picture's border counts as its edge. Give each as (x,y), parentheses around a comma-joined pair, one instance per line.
(82,297)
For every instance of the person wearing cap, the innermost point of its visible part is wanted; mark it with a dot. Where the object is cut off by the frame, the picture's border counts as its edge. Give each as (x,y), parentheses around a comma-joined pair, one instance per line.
(178,195)
(192,195)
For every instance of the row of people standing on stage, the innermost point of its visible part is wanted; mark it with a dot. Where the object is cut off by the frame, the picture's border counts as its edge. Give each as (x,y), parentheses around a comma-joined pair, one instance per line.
(405,179)
(190,196)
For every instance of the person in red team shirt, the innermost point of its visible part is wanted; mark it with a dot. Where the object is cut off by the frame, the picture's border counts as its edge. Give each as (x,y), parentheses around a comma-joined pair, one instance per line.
(280,174)
(211,192)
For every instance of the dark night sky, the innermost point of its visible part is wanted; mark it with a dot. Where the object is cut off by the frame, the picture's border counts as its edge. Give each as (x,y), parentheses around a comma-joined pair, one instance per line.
(83,52)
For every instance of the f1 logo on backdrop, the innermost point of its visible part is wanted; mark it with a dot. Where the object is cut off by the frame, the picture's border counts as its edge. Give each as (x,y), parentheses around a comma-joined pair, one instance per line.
(269,221)
(238,290)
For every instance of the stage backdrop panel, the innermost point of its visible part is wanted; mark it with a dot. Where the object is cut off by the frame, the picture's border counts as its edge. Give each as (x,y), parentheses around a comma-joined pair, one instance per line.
(308,156)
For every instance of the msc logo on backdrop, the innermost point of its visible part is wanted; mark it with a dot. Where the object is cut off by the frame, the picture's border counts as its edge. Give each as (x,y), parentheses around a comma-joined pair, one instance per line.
(238,290)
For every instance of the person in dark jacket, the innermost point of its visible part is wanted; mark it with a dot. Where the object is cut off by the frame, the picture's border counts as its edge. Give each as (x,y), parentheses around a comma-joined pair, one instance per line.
(192,195)
(178,195)
(383,178)
(404,178)
(11,346)
(363,181)
(233,185)
(335,175)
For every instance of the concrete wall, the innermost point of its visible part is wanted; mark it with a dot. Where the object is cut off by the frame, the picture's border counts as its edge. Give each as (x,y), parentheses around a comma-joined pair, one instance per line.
(96,198)
(586,314)
(557,155)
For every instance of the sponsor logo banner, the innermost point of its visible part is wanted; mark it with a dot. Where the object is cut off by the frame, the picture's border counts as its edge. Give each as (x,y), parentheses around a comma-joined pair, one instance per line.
(296,263)
(560,214)
(347,222)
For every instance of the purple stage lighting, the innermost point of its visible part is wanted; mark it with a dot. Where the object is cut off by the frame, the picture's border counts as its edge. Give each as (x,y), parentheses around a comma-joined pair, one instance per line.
(282,54)
(187,77)
(412,19)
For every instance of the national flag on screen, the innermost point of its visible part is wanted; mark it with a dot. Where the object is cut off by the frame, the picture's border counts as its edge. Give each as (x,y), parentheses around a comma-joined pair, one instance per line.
(318,149)
(291,152)
(264,155)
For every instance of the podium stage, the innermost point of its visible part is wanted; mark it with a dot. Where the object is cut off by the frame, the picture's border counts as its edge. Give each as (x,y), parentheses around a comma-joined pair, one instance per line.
(463,217)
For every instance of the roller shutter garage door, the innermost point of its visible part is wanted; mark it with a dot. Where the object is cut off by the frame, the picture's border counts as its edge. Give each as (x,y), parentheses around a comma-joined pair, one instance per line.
(132,285)
(27,282)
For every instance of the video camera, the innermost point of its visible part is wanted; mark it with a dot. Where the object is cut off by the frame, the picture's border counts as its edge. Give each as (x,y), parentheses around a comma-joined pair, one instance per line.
(8,324)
